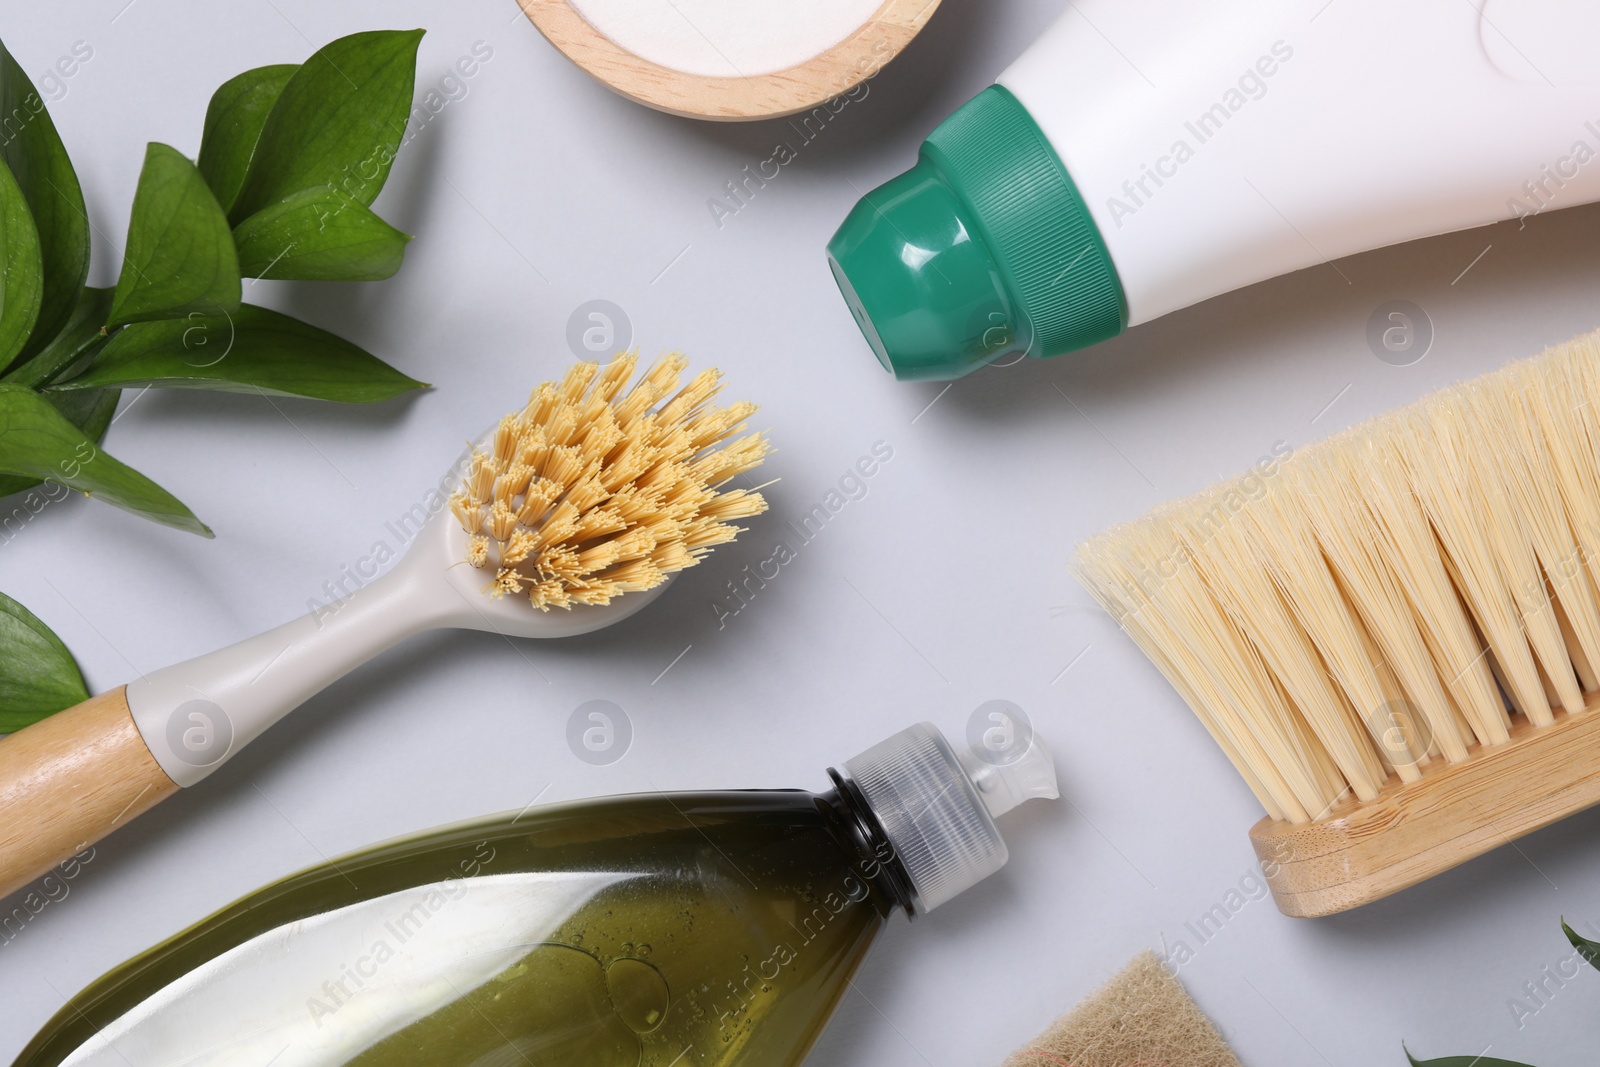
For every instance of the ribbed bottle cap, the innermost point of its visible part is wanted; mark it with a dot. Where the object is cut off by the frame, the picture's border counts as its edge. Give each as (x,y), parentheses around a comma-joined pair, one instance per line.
(932,813)
(984,247)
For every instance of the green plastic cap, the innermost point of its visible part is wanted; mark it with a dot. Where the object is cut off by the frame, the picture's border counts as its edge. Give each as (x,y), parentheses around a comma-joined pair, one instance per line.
(984,248)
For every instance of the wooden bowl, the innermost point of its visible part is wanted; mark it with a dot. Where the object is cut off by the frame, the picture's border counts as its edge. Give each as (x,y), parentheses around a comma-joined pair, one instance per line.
(733,99)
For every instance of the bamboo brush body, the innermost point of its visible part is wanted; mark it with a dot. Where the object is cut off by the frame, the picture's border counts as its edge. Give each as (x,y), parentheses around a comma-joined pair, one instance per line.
(571,514)
(1394,633)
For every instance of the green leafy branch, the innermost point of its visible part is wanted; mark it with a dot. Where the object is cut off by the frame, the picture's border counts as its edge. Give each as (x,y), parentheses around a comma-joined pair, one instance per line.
(1588,950)
(291,159)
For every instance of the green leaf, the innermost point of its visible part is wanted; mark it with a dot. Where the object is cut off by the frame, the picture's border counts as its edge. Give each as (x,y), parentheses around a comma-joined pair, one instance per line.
(318,235)
(255,350)
(180,256)
(338,122)
(20,267)
(1463,1061)
(37,674)
(73,343)
(11,484)
(36,440)
(90,410)
(33,151)
(1589,950)
(238,110)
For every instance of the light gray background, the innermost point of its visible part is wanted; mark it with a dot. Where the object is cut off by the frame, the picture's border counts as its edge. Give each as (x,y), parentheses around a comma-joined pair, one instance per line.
(944,586)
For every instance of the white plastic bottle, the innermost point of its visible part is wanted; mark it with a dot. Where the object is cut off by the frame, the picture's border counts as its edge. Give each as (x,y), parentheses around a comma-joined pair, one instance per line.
(1145,155)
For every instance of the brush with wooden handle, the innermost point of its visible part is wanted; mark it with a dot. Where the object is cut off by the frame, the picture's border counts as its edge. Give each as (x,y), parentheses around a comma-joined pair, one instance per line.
(1394,634)
(587,500)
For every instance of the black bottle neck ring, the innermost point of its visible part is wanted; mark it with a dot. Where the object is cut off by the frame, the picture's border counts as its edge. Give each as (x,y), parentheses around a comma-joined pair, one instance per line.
(873,847)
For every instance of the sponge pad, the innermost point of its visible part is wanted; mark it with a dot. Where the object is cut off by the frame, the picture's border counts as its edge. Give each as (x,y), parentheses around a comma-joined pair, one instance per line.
(1141,1016)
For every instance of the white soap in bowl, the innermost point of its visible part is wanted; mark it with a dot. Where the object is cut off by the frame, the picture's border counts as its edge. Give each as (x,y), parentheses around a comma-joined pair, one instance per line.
(730,60)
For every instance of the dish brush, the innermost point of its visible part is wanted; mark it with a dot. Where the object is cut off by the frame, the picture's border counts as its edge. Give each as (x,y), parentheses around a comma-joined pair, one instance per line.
(570,515)
(1394,634)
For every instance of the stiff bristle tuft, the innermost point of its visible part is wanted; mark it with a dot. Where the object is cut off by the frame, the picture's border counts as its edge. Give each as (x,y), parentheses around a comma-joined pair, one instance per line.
(594,490)
(1421,587)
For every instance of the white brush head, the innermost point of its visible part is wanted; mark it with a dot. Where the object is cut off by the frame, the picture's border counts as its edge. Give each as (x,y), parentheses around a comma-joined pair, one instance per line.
(573,512)
(452,592)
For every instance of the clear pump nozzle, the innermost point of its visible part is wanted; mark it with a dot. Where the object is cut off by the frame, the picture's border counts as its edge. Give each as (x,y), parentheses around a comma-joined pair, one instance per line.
(1002,786)
(937,807)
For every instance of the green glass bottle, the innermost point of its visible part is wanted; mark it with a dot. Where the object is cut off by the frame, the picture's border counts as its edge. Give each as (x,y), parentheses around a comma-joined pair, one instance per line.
(659,930)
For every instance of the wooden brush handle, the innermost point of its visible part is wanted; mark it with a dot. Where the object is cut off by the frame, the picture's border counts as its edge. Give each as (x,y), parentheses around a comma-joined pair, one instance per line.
(1363,851)
(67,781)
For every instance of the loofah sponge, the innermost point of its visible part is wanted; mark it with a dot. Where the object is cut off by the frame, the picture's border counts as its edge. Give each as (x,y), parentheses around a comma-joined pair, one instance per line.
(1141,1017)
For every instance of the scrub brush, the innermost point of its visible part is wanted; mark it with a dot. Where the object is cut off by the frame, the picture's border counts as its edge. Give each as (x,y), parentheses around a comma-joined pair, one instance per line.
(570,515)
(1394,634)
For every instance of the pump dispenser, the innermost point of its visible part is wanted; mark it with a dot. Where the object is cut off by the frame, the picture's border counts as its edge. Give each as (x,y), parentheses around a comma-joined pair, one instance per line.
(621,932)
(937,810)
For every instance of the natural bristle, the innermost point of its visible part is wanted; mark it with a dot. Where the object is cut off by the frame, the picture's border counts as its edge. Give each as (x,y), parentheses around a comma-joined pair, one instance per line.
(1406,591)
(590,492)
